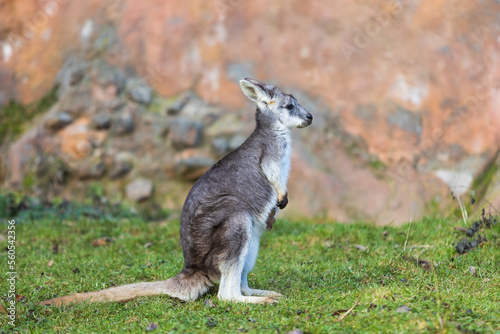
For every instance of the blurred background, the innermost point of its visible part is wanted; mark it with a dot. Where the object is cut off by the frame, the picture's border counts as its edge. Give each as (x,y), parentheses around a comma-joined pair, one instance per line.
(134,100)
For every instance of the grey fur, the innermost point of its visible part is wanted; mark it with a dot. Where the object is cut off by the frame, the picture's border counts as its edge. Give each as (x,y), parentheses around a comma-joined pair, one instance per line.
(228,208)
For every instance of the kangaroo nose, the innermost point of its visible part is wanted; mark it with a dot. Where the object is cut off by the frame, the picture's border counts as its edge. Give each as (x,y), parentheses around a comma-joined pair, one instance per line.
(309,117)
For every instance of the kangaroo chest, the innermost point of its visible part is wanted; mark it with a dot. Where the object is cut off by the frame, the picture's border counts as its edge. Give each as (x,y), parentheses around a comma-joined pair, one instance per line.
(285,160)
(276,162)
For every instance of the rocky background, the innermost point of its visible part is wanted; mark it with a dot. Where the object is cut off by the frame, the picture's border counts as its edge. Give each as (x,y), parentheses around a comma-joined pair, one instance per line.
(405,96)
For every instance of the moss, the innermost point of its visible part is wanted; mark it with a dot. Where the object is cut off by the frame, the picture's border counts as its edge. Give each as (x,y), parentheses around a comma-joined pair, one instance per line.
(14,115)
(29,180)
(479,188)
(481,183)
(377,165)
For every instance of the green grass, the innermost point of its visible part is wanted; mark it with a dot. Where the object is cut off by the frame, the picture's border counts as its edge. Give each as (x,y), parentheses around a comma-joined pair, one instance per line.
(13,116)
(316,266)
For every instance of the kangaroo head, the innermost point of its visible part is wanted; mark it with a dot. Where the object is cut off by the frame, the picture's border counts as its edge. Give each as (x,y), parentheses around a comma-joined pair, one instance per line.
(271,101)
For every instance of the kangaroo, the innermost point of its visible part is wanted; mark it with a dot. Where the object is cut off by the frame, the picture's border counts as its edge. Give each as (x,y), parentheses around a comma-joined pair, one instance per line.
(227,210)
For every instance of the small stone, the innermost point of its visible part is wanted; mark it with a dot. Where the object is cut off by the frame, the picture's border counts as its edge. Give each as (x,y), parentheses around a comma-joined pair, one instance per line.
(151,327)
(139,91)
(139,190)
(191,164)
(179,104)
(185,133)
(58,121)
(71,74)
(101,121)
(91,170)
(120,169)
(123,124)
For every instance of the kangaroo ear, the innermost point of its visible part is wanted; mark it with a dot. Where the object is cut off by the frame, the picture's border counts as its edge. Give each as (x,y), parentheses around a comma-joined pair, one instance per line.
(254,90)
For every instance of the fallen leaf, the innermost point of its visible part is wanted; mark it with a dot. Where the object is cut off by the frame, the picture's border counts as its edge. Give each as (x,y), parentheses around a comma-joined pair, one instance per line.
(20,298)
(151,327)
(338,312)
(421,263)
(473,271)
(403,309)
(148,244)
(209,303)
(3,310)
(361,247)
(101,241)
(295,331)
(134,319)
(51,262)
(327,244)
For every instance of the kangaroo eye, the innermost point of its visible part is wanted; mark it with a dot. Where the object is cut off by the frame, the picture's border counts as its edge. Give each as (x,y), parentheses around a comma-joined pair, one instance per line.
(289,106)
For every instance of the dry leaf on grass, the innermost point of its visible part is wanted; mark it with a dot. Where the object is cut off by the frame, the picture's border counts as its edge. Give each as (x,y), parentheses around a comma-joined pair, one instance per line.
(403,309)
(338,312)
(101,241)
(472,270)
(209,303)
(295,331)
(134,319)
(51,262)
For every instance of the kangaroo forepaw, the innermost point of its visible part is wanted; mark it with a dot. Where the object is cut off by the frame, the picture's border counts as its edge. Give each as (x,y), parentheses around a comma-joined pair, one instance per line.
(283,201)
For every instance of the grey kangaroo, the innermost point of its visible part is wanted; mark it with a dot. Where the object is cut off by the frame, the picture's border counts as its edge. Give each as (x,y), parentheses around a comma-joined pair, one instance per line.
(227,210)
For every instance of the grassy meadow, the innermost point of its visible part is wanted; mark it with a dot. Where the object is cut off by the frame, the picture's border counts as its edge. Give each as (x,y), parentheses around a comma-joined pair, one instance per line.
(345,278)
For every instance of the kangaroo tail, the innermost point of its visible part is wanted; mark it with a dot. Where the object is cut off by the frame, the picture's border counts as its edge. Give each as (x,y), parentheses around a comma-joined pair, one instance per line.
(184,286)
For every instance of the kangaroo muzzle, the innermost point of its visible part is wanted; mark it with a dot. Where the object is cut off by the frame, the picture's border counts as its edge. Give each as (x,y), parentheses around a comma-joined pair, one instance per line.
(308,121)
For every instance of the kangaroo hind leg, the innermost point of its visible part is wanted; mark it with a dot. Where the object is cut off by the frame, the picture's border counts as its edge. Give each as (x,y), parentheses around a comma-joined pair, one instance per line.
(250,260)
(237,237)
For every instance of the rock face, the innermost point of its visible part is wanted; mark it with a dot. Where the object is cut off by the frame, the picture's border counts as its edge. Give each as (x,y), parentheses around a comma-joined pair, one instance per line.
(405,95)
(139,190)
